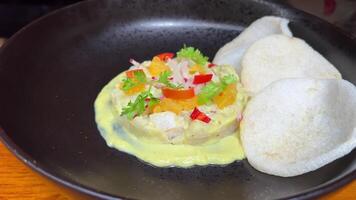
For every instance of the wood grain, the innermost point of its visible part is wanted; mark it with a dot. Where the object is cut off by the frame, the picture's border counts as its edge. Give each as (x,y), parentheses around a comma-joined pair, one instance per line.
(17,181)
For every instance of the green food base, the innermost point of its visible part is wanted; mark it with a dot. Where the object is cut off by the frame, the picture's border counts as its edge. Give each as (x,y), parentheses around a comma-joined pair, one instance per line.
(225,151)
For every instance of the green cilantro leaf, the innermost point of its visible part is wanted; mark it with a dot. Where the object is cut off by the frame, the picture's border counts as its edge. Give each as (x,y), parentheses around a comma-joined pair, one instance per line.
(152,102)
(193,54)
(129,83)
(134,108)
(208,92)
(228,79)
(140,76)
(138,107)
(212,89)
(163,78)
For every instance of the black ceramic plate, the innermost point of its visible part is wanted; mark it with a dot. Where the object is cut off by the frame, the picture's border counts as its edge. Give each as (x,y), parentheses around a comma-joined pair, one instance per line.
(52,70)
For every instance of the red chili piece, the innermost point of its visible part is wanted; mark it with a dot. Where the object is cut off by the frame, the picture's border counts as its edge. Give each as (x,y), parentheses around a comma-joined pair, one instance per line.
(202,78)
(178,94)
(210,65)
(197,114)
(165,56)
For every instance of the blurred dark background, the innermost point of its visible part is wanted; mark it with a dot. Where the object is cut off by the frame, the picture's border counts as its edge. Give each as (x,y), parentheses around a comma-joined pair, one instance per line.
(15,14)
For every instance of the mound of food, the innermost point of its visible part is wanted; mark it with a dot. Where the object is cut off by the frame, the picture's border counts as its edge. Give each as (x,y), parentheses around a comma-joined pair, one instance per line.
(181,101)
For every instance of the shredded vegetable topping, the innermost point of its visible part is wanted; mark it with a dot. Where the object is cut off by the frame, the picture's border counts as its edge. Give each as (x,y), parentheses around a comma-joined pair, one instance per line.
(179,85)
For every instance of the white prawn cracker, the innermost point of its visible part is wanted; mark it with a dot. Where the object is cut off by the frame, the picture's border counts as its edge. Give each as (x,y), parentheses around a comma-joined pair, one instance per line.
(232,52)
(278,56)
(294,126)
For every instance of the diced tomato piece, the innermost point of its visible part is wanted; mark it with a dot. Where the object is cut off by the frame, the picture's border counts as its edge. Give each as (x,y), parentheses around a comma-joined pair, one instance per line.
(210,65)
(202,78)
(131,73)
(178,94)
(165,56)
(197,114)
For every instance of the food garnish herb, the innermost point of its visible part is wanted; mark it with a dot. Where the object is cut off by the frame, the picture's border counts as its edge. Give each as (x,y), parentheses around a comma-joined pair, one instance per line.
(131,82)
(164,79)
(212,89)
(138,107)
(192,54)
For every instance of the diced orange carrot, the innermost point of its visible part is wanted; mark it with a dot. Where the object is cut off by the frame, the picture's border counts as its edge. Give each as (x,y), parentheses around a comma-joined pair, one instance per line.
(134,90)
(176,106)
(196,68)
(157,66)
(189,104)
(227,97)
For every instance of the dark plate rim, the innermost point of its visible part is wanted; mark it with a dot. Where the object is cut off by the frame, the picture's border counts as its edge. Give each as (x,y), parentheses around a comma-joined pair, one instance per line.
(314,192)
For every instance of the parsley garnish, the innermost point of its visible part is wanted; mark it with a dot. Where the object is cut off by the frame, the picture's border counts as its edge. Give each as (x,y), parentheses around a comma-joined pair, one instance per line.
(163,78)
(129,83)
(212,89)
(228,79)
(208,92)
(193,54)
(138,107)
(140,76)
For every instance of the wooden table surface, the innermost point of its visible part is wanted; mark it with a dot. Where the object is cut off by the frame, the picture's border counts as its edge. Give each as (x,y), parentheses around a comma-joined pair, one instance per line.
(17,181)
